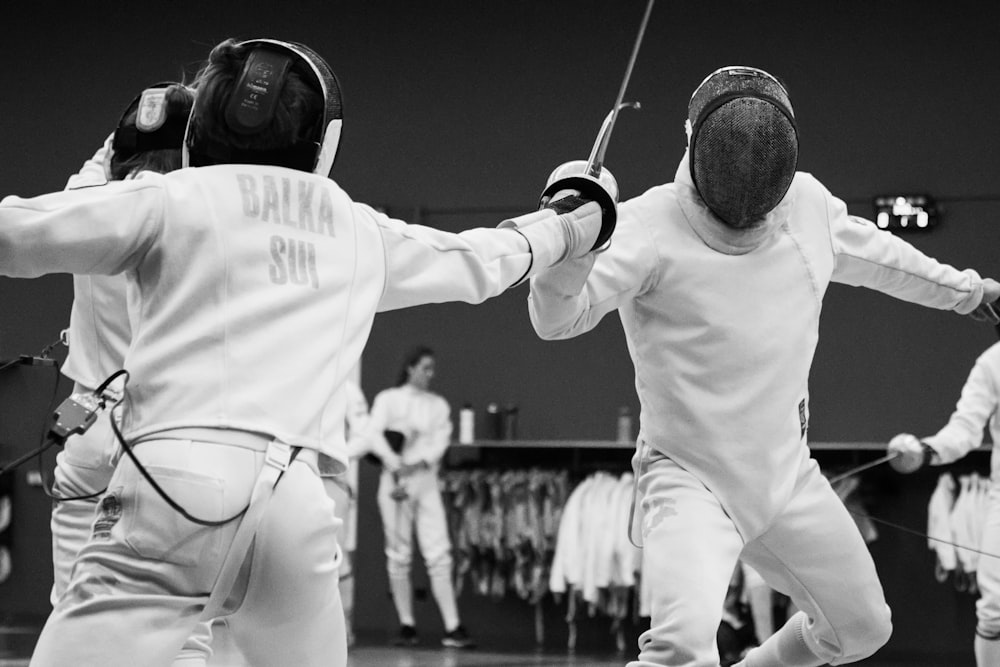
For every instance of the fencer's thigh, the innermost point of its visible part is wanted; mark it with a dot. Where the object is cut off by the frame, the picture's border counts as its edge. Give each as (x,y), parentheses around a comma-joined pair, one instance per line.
(988,571)
(397,522)
(83,468)
(690,549)
(431,519)
(814,553)
(143,577)
(291,612)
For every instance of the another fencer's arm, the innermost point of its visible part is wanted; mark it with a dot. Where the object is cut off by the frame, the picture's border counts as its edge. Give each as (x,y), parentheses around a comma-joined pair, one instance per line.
(95,170)
(977,403)
(866,256)
(373,434)
(87,231)
(571,298)
(427,265)
(437,440)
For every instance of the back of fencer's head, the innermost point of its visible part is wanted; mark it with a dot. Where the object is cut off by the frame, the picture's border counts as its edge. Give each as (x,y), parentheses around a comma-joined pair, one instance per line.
(150,132)
(286,129)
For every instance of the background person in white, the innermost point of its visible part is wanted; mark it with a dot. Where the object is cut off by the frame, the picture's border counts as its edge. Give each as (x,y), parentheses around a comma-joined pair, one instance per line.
(976,409)
(721,321)
(99,334)
(256,281)
(424,419)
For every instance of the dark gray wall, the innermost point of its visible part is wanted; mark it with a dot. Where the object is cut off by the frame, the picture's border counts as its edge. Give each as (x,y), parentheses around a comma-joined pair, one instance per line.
(456,113)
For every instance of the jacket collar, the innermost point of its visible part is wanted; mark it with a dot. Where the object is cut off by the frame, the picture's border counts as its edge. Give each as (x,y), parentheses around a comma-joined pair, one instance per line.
(713,232)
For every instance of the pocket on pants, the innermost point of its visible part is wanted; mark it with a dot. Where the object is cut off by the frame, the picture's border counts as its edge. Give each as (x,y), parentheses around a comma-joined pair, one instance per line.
(157,531)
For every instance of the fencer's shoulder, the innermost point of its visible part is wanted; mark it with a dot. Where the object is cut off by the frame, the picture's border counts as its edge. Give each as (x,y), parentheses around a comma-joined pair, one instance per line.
(991,356)
(660,202)
(805,183)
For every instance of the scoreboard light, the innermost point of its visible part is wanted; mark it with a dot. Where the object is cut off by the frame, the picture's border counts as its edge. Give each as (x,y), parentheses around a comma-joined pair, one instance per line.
(905,212)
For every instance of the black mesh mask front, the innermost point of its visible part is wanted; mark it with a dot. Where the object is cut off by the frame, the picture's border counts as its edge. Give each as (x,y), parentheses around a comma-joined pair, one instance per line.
(744,145)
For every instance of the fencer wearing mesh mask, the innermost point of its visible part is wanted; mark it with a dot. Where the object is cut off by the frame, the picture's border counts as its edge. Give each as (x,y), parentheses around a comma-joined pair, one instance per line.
(256,279)
(718,278)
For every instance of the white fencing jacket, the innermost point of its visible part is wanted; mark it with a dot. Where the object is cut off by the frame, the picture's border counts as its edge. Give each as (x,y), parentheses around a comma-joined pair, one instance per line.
(976,409)
(99,330)
(722,326)
(256,287)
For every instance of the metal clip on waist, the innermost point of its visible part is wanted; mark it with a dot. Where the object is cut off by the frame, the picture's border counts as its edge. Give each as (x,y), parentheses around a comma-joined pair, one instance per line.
(277,458)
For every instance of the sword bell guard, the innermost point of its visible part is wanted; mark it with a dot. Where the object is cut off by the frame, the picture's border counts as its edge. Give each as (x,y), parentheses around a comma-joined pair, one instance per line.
(603,189)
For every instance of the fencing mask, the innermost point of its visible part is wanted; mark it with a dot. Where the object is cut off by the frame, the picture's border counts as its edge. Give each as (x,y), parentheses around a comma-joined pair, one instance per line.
(744,144)
(151,123)
(253,103)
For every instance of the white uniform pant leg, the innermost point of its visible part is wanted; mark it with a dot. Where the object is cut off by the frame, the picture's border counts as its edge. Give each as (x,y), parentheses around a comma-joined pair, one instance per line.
(814,553)
(291,613)
(431,523)
(140,582)
(342,496)
(988,572)
(83,468)
(435,544)
(397,524)
(690,550)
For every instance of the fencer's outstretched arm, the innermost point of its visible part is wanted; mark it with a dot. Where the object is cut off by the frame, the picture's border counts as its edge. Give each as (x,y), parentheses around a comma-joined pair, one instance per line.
(113,226)
(374,438)
(427,265)
(964,430)
(95,170)
(866,256)
(571,298)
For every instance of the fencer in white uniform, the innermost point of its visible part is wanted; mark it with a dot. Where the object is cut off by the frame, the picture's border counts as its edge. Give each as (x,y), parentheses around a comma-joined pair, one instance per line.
(719,294)
(409,494)
(148,138)
(975,411)
(256,280)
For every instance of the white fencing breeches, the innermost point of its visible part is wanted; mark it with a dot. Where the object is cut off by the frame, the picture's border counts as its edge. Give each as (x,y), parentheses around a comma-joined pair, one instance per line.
(141,582)
(812,552)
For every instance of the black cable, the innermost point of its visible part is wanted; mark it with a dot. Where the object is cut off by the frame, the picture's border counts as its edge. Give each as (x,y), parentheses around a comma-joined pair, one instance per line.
(149,478)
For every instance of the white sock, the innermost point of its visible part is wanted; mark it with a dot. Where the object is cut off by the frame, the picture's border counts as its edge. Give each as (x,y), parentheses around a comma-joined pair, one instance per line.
(402,597)
(786,647)
(444,595)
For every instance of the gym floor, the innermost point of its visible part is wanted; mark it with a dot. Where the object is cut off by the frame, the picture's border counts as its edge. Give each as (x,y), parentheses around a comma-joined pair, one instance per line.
(16,644)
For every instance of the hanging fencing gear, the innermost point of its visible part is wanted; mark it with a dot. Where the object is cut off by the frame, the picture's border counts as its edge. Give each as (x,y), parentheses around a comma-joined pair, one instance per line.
(744,144)
(151,123)
(253,103)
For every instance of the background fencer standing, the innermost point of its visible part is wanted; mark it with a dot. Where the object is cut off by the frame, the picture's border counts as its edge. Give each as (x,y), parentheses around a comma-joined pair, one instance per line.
(148,138)
(718,278)
(257,280)
(409,494)
(976,410)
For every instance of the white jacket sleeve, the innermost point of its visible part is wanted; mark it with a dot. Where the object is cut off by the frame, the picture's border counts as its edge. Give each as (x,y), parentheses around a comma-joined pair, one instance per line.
(427,265)
(867,256)
(93,172)
(88,231)
(978,402)
(571,299)
(373,433)
(437,440)
(356,414)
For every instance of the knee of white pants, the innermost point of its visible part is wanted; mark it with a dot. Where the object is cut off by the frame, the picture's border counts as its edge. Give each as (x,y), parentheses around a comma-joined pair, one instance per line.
(438,564)
(867,634)
(397,563)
